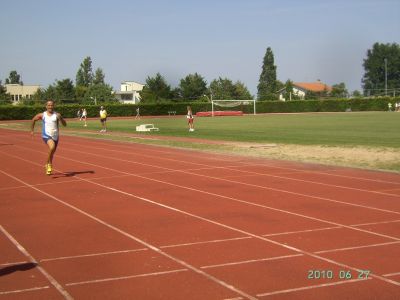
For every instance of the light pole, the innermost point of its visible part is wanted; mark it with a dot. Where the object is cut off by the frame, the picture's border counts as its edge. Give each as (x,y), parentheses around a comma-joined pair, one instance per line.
(385,76)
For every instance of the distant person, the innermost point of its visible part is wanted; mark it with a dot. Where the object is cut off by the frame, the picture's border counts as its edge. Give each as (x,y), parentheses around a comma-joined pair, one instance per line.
(189,116)
(103,119)
(78,114)
(50,131)
(389,106)
(84,116)
(137,113)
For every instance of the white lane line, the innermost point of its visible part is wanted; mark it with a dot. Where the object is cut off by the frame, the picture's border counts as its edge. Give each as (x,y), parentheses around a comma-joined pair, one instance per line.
(310,287)
(207,220)
(14,263)
(240,201)
(90,255)
(377,223)
(199,218)
(232,181)
(303,231)
(216,195)
(243,161)
(25,290)
(250,261)
(206,242)
(391,274)
(389,190)
(246,184)
(249,172)
(357,247)
(33,260)
(126,234)
(266,235)
(126,277)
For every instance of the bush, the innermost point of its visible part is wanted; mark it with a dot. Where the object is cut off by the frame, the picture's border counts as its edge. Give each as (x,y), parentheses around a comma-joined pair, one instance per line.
(25,112)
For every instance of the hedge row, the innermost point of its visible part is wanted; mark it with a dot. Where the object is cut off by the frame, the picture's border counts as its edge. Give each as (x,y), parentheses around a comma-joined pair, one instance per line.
(10,112)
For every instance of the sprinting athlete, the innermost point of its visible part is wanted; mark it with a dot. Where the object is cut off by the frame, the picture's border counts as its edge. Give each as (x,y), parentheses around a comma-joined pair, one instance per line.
(50,131)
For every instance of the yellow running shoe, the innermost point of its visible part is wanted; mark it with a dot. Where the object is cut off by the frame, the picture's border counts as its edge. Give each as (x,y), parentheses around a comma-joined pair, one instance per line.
(49,169)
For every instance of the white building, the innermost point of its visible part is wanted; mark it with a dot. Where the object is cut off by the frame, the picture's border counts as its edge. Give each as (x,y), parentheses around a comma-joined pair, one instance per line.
(18,91)
(300,89)
(129,92)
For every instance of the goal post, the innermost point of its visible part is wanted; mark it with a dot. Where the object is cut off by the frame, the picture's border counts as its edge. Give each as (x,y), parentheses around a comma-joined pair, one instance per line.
(231,104)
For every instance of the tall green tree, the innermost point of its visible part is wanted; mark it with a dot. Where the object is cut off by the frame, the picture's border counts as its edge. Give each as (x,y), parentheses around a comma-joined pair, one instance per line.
(156,89)
(192,87)
(100,92)
(339,90)
(267,86)
(14,78)
(225,89)
(222,89)
(241,92)
(98,76)
(4,97)
(84,76)
(65,90)
(374,67)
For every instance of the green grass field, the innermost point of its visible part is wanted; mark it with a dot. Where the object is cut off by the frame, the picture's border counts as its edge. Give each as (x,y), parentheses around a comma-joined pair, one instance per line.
(371,129)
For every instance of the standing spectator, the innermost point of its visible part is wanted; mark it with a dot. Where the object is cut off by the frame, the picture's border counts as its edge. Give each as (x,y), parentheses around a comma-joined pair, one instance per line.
(103,119)
(189,116)
(137,113)
(84,116)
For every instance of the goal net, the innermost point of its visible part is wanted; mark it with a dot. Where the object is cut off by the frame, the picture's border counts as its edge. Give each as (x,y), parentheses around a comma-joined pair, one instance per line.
(243,106)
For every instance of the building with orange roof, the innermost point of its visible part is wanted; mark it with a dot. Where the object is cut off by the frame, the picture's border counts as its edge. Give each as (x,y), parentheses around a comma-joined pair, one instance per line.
(300,89)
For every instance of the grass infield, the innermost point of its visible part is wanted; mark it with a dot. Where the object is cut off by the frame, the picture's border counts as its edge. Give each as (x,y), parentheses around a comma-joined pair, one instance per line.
(371,129)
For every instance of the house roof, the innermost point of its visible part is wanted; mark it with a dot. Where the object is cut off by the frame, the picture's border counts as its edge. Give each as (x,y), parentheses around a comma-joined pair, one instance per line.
(313,86)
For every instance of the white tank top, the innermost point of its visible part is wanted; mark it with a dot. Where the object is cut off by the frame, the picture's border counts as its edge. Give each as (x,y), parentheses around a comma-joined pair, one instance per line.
(50,126)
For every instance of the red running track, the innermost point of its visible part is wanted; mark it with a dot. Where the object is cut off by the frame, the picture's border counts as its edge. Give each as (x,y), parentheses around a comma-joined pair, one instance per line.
(131,221)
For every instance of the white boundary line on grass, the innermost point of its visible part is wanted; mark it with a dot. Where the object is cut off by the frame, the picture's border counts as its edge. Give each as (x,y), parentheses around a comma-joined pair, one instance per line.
(33,260)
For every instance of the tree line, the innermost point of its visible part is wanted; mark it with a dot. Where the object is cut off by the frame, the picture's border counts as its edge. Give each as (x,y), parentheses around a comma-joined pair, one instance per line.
(381,66)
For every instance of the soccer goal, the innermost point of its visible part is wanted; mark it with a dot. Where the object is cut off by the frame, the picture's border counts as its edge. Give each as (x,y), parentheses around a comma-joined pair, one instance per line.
(234,106)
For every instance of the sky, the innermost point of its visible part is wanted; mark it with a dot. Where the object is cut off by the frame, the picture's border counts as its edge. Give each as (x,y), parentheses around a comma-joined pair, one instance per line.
(45,40)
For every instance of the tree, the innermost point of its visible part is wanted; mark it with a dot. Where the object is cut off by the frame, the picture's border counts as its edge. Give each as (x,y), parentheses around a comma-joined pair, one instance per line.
(241,92)
(225,89)
(84,76)
(14,78)
(222,89)
(357,94)
(99,76)
(50,93)
(267,85)
(4,97)
(100,92)
(192,87)
(374,67)
(156,89)
(339,90)
(65,89)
